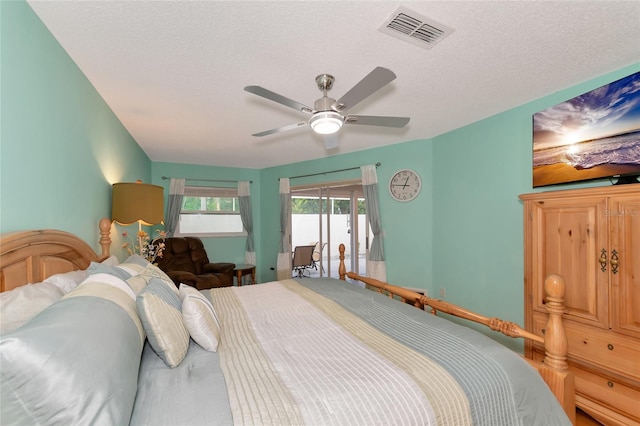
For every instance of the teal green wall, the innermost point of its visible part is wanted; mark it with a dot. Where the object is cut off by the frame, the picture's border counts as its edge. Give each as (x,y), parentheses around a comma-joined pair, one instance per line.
(61,145)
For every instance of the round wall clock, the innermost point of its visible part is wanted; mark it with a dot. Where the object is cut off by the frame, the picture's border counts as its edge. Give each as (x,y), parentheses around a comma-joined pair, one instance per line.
(405,185)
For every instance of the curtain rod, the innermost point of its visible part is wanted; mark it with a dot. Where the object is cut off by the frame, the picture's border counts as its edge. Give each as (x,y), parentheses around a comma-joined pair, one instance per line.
(207,180)
(378,164)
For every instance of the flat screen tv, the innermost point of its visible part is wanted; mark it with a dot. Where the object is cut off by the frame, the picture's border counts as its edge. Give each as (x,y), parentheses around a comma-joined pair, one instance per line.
(592,136)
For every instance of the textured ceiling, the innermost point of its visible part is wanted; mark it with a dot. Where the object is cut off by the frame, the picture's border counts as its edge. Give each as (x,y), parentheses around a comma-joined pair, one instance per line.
(174,71)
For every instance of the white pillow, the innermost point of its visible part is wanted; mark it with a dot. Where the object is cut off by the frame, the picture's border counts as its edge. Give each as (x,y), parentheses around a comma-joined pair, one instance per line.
(200,318)
(67,281)
(19,305)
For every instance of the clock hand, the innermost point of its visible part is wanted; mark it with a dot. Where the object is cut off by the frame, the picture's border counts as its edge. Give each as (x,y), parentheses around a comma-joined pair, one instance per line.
(405,183)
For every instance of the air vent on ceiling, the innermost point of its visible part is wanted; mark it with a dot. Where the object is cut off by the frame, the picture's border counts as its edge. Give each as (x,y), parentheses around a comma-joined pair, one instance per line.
(410,26)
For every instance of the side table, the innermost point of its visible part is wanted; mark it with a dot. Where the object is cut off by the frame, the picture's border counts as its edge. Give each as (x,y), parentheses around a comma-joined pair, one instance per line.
(245,269)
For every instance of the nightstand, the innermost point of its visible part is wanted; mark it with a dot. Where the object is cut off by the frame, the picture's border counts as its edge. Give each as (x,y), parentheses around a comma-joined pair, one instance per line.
(241,270)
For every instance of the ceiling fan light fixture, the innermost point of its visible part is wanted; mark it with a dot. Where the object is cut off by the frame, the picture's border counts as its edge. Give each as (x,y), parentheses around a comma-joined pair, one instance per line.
(326,122)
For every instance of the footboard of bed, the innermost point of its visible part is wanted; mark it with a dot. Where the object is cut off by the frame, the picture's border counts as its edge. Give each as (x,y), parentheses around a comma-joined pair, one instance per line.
(554,368)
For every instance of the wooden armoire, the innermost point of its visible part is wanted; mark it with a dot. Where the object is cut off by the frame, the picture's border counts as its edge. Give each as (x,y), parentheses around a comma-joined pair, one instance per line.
(591,237)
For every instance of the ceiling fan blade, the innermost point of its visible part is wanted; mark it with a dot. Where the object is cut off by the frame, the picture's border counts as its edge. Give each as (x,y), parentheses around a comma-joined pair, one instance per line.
(377,120)
(331,141)
(273,96)
(374,81)
(281,129)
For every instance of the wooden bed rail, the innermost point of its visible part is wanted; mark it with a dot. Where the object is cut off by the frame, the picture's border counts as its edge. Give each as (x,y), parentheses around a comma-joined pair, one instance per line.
(505,327)
(555,339)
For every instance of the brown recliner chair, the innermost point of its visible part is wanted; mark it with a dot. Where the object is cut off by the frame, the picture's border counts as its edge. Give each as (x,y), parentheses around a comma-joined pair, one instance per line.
(185,260)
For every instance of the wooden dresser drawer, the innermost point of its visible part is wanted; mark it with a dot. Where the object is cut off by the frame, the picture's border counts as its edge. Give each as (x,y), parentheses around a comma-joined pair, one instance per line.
(605,391)
(603,348)
(606,399)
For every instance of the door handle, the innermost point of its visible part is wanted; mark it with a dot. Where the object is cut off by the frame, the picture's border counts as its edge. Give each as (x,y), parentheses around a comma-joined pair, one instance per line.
(614,262)
(603,260)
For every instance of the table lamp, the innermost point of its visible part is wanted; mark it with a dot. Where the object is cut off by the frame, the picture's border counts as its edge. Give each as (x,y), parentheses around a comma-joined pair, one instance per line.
(137,202)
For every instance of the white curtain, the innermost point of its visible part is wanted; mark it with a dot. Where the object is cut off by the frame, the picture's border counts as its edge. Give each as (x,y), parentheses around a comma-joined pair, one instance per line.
(174,205)
(376,265)
(244,198)
(284,254)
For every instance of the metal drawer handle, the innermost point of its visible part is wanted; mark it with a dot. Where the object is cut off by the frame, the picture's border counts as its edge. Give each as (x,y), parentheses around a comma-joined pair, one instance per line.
(610,346)
(610,384)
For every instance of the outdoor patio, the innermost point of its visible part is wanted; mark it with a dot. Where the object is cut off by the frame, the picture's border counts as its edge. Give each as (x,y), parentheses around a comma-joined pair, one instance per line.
(331,270)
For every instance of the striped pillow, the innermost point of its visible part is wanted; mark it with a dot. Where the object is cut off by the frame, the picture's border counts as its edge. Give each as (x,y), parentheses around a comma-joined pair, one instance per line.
(163,276)
(200,318)
(160,312)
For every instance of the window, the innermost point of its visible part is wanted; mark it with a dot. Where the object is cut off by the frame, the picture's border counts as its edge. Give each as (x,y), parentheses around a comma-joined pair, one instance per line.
(209,212)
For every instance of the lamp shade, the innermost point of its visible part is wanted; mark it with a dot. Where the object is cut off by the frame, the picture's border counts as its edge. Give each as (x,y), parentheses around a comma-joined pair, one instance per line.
(137,202)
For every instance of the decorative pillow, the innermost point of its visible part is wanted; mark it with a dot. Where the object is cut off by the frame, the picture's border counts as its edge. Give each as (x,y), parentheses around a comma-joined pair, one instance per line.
(118,271)
(164,277)
(160,311)
(107,279)
(19,305)
(75,363)
(140,281)
(111,261)
(200,318)
(138,260)
(132,267)
(67,281)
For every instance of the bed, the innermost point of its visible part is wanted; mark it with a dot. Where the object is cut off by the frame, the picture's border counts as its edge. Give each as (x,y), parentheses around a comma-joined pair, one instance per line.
(300,351)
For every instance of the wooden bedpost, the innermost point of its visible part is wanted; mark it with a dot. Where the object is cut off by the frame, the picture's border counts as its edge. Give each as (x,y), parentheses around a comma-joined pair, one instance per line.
(557,376)
(342,269)
(105,237)
(556,346)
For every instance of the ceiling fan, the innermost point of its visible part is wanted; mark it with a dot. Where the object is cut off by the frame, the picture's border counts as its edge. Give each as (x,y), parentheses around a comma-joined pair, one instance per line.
(328,115)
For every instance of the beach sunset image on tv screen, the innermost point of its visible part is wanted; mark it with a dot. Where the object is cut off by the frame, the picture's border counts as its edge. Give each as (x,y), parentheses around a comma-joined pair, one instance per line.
(594,135)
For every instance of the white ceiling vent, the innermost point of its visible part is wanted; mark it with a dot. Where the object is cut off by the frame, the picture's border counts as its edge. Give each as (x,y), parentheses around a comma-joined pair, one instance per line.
(410,26)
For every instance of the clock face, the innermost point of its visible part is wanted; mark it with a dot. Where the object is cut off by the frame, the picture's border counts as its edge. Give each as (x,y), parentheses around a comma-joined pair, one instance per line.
(405,185)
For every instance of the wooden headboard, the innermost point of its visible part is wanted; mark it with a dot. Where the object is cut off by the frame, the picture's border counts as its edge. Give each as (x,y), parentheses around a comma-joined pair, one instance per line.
(32,256)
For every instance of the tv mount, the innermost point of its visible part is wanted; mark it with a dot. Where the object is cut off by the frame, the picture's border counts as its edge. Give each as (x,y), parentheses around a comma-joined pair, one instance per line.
(627,179)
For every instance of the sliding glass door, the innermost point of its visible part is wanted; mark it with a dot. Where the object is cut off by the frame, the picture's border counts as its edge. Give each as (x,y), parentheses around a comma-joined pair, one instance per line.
(326,216)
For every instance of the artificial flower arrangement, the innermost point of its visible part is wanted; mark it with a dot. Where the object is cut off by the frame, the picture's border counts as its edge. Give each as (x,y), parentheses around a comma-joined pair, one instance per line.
(146,247)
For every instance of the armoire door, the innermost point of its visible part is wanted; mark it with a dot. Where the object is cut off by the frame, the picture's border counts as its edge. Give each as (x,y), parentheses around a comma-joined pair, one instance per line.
(624,260)
(568,238)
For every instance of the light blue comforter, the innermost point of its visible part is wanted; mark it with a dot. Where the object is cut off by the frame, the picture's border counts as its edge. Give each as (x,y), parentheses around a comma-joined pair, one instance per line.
(502,388)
